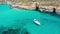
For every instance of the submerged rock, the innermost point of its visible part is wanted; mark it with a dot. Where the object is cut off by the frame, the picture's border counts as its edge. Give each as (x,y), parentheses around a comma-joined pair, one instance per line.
(5,32)
(11,31)
(24,31)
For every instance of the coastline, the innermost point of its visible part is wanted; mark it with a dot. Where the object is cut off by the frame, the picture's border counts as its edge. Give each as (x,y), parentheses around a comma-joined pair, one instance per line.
(32,6)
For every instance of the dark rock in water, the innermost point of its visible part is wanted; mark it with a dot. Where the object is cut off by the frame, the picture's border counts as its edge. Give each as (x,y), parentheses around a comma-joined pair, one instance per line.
(5,32)
(10,30)
(13,31)
(26,33)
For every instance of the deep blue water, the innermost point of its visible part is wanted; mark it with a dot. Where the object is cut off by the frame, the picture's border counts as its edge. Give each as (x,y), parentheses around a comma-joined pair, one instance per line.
(14,18)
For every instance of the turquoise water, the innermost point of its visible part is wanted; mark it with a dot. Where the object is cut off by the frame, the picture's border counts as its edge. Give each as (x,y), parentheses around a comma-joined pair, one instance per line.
(9,17)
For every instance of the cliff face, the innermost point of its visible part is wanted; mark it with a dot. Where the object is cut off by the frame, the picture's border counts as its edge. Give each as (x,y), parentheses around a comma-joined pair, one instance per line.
(29,2)
(35,0)
(32,0)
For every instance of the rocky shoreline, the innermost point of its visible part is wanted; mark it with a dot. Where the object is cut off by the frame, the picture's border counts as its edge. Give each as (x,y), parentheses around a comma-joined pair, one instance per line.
(32,6)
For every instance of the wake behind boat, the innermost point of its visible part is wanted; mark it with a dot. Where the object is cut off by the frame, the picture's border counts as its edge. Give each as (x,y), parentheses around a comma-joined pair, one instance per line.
(36,22)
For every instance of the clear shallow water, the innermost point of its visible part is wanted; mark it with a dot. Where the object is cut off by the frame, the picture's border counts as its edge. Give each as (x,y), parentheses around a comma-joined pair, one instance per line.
(49,24)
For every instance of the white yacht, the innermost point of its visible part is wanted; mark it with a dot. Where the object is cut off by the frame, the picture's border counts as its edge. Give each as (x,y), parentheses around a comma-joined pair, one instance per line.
(36,22)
